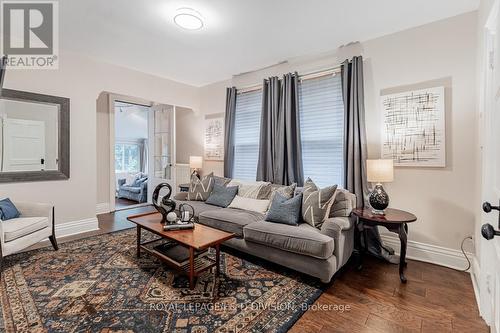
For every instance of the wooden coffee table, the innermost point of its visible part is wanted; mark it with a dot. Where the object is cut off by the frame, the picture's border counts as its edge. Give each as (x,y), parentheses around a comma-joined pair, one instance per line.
(198,239)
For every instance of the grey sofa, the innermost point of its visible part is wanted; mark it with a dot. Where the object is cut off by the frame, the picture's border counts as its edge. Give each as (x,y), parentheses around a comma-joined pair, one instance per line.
(316,252)
(136,192)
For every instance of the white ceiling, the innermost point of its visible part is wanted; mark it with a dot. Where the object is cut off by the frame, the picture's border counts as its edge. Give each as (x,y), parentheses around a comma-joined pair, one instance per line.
(239,35)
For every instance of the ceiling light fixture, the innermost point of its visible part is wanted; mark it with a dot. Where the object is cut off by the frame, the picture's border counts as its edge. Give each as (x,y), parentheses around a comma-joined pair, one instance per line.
(188,18)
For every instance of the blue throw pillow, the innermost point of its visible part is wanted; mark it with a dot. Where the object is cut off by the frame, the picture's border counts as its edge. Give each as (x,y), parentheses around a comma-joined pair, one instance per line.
(138,182)
(285,211)
(222,196)
(8,210)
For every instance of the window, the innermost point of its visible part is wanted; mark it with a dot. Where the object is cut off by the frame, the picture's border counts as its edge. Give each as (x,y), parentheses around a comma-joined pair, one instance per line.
(127,157)
(321,112)
(247,134)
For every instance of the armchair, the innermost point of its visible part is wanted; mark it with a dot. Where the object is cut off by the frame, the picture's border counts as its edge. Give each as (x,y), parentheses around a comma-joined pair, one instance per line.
(35,224)
(136,192)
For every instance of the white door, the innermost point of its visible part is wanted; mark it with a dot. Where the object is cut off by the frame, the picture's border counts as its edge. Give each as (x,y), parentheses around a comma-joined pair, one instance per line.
(162,147)
(24,145)
(489,250)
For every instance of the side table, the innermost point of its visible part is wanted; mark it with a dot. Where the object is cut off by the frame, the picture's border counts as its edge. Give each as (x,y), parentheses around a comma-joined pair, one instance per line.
(394,220)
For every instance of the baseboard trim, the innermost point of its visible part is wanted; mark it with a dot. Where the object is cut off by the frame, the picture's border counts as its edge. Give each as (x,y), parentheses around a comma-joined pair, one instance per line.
(431,253)
(102,208)
(77,227)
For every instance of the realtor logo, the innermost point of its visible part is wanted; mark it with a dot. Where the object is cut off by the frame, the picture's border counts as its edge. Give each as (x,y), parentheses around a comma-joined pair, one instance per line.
(30,33)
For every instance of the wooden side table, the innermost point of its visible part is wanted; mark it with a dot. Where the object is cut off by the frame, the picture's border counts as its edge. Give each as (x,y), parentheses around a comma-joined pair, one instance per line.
(394,220)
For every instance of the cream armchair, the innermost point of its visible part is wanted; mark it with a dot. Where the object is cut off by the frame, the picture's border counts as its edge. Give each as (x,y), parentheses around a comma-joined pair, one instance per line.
(35,224)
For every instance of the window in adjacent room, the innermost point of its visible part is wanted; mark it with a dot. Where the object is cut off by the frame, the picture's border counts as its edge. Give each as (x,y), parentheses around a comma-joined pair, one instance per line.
(247,134)
(321,112)
(127,158)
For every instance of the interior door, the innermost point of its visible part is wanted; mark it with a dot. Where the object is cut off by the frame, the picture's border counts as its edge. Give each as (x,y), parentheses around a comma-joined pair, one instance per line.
(162,149)
(489,250)
(24,145)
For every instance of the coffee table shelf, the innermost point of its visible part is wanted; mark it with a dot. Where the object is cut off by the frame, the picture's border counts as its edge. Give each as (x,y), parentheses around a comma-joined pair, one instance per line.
(196,241)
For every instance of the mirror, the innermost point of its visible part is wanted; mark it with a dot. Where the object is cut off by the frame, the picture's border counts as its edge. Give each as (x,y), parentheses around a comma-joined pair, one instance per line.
(34,137)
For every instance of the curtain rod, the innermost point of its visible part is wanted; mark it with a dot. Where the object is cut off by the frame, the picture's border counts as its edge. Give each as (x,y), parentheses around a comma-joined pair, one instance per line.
(302,77)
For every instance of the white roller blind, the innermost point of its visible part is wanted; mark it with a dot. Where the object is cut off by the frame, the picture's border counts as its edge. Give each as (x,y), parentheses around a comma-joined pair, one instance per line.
(321,111)
(247,134)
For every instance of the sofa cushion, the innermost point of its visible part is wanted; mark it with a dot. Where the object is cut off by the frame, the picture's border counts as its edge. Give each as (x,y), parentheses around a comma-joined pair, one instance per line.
(286,211)
(254,205)
(20,227)
(316,203)
(221,195)
(230,219)
(200,189)
(303,239)
(131,189)
(198,206)
(8,210)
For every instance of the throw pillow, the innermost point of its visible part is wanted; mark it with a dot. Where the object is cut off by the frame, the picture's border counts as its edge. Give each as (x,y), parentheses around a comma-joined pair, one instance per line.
(285,211)
(248,189)
(200,189)
(316,203)
(254,205)
(8,210)
(222,196)
(266,192)
(131,178)
(221,180)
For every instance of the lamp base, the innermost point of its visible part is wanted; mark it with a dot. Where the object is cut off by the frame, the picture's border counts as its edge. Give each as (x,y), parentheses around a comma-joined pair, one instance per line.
(379,200)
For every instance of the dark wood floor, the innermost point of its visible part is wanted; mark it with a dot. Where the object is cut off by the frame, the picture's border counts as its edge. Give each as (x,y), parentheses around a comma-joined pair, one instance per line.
(435,299)
(121,203)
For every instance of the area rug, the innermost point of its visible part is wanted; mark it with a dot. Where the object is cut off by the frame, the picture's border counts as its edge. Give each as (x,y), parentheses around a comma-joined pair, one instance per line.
(98,285)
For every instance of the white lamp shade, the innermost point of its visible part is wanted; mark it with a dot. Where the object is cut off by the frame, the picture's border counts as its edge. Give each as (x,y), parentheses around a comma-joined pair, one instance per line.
(195,162)
(380,171)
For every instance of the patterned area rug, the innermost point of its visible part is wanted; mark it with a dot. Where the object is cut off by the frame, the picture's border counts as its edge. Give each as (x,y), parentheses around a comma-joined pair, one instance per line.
(98,285)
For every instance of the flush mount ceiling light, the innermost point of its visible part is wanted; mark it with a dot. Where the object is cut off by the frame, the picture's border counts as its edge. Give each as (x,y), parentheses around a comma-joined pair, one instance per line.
(188,18)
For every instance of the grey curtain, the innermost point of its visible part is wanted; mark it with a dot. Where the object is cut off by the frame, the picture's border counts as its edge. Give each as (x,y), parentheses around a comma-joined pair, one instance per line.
(280,155)
(143,156)
(355,152)
(269,128)
(229,132)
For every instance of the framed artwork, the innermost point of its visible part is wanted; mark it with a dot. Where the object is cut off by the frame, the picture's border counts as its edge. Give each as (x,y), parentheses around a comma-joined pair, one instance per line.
(214,137)
(413,128)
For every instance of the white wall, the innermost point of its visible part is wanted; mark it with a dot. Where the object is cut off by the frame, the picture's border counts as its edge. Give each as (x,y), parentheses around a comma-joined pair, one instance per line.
(82,80)
(441,53)
(131,121)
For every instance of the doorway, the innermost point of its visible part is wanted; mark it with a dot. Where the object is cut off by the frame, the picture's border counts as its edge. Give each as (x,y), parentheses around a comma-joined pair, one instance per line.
(131,158)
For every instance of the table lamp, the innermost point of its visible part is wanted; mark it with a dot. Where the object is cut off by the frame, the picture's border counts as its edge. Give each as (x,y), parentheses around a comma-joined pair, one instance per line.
(195,163)
(379,171)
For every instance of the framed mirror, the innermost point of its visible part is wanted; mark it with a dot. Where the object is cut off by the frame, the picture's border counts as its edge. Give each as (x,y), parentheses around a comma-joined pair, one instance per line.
(34,137)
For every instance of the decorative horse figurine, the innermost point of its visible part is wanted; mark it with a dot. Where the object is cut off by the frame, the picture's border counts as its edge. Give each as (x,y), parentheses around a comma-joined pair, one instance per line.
(166,205)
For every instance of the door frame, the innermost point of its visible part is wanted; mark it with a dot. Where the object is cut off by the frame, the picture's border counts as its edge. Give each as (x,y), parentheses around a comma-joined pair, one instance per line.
(486,272)
(112,140)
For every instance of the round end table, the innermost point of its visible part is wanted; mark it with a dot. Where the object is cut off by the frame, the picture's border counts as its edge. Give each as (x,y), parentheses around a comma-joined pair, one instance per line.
(394,220)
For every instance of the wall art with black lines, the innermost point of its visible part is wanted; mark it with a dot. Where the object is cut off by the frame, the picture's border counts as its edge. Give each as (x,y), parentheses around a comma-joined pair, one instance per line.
(413,132)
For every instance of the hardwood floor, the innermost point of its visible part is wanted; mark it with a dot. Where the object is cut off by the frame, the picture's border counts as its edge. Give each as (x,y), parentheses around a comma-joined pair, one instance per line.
(435,299)
(121,203)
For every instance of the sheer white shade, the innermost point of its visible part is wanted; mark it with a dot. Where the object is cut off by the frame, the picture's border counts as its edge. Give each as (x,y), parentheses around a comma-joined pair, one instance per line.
(195,162)
(380,171)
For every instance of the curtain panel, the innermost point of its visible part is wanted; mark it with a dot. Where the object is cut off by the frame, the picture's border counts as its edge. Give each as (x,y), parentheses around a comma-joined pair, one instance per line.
(280,155)
(355,152)
(231,95)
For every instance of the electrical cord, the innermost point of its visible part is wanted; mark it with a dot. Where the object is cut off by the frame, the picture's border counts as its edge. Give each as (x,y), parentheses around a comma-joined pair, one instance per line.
(465,254)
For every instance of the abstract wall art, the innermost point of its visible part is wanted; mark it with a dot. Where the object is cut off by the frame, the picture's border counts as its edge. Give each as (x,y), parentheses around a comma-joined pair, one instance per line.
(214,137)
(413,132)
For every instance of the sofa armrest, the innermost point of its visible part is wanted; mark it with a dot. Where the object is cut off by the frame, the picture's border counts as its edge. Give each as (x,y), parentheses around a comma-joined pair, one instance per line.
(121,182)
(30,209)
(181,196)
(144,187)
(341,229)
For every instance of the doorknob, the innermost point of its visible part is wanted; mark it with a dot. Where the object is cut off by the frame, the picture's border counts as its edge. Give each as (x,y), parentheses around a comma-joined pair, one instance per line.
(487,207)
(489,232)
